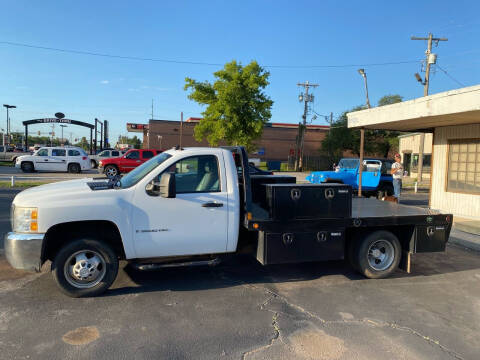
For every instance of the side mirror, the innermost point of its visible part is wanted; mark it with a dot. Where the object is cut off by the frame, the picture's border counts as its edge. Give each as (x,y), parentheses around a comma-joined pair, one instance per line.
(167,185)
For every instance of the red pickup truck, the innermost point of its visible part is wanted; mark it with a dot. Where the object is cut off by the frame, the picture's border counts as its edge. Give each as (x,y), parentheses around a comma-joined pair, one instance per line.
(126,163)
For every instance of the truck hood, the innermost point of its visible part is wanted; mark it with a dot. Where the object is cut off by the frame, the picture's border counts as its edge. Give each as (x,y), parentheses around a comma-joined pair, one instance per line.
(66,190)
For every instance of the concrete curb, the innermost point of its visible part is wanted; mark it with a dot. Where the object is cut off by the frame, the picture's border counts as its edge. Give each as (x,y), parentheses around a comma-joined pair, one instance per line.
(465,239)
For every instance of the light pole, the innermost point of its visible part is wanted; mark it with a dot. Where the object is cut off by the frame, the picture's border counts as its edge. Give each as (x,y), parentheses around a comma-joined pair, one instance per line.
(63,126)
(362,136)
(364,75)
(8,118)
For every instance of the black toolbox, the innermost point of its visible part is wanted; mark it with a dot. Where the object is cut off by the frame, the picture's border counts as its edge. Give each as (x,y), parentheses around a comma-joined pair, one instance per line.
(308,201)
(258,190)
(281,248)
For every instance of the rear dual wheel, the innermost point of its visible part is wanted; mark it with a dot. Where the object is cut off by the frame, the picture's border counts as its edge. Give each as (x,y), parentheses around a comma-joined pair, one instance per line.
(377,255)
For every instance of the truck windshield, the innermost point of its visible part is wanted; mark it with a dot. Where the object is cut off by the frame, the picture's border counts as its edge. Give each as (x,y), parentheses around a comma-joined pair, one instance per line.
(348,164)
(138,173)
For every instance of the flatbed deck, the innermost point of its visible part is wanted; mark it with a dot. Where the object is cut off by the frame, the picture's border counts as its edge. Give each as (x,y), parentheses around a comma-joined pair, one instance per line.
(365,213)
(368,208)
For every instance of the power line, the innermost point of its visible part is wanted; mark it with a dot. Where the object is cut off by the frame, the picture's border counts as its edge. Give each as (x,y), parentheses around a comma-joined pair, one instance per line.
(450,76)
(137,58)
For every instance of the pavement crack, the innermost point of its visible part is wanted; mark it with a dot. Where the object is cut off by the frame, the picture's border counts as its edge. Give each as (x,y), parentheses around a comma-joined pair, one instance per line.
(275,337)
(363,322)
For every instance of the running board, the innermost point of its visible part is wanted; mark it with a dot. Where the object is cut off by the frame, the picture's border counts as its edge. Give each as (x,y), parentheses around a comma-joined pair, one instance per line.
(154,266)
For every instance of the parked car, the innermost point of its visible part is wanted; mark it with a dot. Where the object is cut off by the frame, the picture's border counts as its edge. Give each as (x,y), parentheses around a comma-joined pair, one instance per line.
(376,178)
(6,155)
(126,163)
(104,154)
(71,159)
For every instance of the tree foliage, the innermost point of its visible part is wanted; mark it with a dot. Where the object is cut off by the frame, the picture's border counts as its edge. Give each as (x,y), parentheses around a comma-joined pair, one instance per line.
(236,106)
(377,142)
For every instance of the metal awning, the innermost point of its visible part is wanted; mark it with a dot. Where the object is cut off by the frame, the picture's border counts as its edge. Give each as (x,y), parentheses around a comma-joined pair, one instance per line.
(455,107)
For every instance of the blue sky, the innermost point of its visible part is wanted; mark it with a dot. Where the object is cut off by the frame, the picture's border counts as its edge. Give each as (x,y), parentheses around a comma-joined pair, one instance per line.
(293,33)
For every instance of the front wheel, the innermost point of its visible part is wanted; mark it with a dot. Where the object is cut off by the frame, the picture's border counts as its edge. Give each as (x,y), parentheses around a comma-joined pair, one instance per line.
(27,167)
(111,171)
(377,255)
(85,268)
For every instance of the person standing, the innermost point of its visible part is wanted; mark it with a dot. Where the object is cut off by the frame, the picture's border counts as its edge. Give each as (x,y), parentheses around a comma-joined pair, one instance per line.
(397,173)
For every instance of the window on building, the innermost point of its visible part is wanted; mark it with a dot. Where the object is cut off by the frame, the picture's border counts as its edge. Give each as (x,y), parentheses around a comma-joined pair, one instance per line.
(427,158)
(463,173)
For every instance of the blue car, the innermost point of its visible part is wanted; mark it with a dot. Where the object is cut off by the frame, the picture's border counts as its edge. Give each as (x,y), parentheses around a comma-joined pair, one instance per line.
(376,178)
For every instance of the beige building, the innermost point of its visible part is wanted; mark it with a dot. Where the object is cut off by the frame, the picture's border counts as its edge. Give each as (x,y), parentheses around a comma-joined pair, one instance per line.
(453,119)
(408,146)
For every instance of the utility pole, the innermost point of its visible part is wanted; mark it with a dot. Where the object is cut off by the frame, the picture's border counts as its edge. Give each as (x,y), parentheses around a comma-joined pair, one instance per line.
(152,109)
(362,135)
(63,126)
(303,126)
(181,129)
(430,59)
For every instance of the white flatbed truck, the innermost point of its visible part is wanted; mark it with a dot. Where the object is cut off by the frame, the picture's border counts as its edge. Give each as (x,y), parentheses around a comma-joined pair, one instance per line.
(193,206)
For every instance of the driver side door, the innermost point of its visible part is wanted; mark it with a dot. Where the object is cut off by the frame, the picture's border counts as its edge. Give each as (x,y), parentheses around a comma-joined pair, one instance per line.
(194,222)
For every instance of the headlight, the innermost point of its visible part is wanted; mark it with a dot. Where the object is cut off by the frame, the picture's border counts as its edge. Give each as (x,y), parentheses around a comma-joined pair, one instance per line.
(100,163)
(25,219)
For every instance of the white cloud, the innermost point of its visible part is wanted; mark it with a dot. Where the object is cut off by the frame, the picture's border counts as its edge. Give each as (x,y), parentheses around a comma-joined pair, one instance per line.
(104,82)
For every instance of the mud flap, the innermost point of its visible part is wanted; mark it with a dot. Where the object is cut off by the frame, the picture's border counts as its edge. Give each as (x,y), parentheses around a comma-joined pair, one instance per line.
(406,262)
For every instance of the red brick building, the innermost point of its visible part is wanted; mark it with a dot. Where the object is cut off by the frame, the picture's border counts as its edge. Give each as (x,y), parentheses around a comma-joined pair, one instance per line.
(276,143)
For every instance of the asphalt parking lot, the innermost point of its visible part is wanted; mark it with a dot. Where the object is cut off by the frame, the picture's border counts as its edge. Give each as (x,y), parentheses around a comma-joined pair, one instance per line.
(241,310)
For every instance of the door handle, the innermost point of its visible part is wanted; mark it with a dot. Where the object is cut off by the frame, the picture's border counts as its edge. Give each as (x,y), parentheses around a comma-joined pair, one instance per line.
(212,205)
(46,159)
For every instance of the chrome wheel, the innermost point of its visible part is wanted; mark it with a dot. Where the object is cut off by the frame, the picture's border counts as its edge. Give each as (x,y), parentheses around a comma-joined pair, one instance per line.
(111,171)
(85,269)
(380,255)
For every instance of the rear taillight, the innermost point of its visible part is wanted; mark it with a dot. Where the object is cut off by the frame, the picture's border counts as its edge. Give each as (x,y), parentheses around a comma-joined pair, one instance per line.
(84,158)
(448,219)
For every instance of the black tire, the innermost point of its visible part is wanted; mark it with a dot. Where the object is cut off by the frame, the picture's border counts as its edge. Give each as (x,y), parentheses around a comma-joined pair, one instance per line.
(27,167)
(74,287)
(93,164)
(74,168)
(111,171)
(377,255)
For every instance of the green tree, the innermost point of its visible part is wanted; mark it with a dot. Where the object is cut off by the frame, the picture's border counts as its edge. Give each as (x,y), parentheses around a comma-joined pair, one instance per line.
(377,142)
(236,106)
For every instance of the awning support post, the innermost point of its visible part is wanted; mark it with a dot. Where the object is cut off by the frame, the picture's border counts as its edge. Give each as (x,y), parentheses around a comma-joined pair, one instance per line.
(360,164)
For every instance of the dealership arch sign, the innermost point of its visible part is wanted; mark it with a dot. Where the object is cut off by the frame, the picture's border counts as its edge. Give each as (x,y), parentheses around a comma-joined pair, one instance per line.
(59,121)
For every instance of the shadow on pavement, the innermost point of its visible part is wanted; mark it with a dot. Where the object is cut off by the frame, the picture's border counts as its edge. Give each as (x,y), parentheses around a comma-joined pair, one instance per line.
(246,270)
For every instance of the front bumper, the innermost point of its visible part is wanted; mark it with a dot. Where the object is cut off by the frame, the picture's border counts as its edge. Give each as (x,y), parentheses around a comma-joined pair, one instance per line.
(24,251)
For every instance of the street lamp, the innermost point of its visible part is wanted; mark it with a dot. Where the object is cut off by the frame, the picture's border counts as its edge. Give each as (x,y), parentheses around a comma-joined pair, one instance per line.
(63,126)
(8,118)
(362,136)
(364,75)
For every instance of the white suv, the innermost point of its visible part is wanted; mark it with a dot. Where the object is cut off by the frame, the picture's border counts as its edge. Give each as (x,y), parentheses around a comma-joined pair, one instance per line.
(71,159)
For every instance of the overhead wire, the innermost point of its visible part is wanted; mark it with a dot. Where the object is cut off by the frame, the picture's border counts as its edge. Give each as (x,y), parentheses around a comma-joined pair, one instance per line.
(137,58)
(450,76)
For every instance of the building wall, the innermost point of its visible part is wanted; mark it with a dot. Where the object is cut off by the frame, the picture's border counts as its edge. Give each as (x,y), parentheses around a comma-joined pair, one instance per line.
(410,144)
(277,142)
(463,205)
